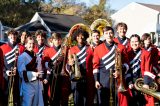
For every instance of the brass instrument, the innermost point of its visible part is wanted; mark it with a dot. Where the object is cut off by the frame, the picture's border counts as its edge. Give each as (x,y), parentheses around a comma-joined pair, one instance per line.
(79,26)
(11,81)
(118,67)
(99,24)
(65,47)
(111,102)
(61,59)
(151,91)
(76,69)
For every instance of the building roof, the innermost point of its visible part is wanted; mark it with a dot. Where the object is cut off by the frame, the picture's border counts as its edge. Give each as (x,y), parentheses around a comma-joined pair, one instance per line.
(60,22)
(51,22)
(152,6)
(31,26)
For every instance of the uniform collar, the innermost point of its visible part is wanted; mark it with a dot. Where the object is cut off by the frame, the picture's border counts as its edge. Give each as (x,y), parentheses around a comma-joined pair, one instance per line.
(109,46)
(80,46)
(12,45)
(31,53)
(121,39)
(57,48)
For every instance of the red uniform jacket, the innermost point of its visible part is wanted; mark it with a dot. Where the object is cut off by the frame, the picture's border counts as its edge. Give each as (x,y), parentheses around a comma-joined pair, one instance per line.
(125,42)
(103,61)
(149,62)
(149,67)
(84,57)
(39,50)
(49,54)
(9,55)
(8,50)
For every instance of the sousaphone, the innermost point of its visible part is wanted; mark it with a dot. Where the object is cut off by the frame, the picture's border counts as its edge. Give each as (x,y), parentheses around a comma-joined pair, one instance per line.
(99,24)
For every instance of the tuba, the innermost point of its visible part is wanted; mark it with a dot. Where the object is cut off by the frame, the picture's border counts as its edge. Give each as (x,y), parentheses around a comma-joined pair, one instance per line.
(99,25)
(151,91)
(118,67)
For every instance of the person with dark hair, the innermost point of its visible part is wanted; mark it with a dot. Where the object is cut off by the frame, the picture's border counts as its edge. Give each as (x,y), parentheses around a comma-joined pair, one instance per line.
(80,57)
(135,72)
(104,65)
(121,29)
(30,71)
(9,50)
(40,46)
(149,64)
(23,35)
(53,64)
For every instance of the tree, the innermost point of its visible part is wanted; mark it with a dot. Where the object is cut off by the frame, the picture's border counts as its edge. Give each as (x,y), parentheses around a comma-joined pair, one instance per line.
(18,12)
(70,7)
(96,12)
(15,12)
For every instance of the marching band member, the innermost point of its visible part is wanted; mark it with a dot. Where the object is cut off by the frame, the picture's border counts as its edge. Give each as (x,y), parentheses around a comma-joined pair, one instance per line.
(83,53)
(135,70)
(53,61)
(149,64)
(95,39)
(121,38)
(30,70)
(23,36)
(9,55)
(49,41)
(40,46)
(103,61)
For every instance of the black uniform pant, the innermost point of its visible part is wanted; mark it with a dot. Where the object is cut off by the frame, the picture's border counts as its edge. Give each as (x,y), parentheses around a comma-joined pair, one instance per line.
(104,97)
(137,99)
(79,92)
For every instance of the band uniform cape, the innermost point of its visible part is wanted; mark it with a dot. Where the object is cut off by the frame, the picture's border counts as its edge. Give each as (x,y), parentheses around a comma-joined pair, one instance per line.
(31,87)
(103,61)
(9,61)
(85,56)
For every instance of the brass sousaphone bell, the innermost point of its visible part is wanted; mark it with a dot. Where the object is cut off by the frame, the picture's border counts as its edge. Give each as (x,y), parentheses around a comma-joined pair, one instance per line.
(99,24)
(79,26)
